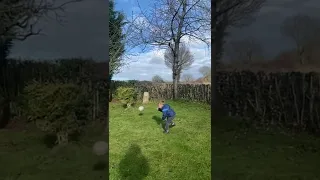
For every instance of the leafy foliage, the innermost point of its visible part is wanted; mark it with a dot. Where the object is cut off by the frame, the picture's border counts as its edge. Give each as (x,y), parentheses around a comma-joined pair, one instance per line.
(56,108)
(116,39)
(127,95)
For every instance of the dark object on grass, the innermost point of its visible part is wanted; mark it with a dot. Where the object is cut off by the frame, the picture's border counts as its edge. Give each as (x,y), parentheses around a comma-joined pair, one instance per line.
(134,165)
(99,166)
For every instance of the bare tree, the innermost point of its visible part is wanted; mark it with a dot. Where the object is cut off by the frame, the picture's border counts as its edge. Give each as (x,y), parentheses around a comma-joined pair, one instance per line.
(206,73)
(18,22)
(205,70)
(167,22)
(227,13)
(231,13)
(157,79)
(303,30)
(245,51)
(19,18)
(183,62)
(187,78)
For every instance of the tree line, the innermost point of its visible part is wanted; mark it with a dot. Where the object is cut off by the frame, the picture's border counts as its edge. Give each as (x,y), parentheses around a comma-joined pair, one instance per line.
(300,29)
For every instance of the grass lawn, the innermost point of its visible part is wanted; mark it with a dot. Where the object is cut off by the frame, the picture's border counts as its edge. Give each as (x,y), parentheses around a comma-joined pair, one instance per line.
(250,154)
(29,155)
(139,150)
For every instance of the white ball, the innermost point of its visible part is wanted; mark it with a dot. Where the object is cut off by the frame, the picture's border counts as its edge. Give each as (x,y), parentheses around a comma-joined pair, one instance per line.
(100,148)
(141,108)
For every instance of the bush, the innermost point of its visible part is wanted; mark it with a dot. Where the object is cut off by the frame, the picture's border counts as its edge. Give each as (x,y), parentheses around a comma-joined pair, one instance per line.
(61,109)
(126,95)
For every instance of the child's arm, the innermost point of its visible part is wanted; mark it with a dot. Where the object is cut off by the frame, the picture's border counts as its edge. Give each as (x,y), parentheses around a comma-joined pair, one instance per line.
(163,116)
(164,112)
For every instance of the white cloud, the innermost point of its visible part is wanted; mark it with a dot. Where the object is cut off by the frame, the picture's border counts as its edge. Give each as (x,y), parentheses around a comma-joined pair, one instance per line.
(196,43)
(146,65)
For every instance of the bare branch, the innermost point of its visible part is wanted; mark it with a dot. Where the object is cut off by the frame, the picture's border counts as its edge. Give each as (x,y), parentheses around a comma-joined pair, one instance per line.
(184,61)
(19,18)
(303,30)
(248,50)
(187,78)
(160,23)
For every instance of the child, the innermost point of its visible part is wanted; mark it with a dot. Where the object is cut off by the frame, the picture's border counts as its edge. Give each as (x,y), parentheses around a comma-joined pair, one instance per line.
(167,113)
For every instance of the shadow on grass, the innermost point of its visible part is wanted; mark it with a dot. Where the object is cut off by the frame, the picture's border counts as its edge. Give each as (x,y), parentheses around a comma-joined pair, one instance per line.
(99,166)
(134,166)
(49,140)
(159,121)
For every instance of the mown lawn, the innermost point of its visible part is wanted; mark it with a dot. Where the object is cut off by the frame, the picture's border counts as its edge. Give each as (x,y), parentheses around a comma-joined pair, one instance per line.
(29,155)
(139,149)
(243,153)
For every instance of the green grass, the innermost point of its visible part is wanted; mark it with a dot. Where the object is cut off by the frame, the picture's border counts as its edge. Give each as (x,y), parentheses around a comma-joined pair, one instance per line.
(28,156)
(244,153)
(139,149)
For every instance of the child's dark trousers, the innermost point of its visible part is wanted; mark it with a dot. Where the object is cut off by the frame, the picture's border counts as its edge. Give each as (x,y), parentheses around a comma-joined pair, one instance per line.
(169,121)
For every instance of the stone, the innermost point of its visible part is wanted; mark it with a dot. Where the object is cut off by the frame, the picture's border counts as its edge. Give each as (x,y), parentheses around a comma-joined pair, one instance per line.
(145,99)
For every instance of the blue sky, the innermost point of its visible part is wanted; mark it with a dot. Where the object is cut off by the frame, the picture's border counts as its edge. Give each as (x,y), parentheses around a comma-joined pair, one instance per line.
(148,64)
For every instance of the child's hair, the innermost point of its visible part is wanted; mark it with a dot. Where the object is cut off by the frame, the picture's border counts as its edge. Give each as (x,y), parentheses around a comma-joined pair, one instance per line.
(161,102)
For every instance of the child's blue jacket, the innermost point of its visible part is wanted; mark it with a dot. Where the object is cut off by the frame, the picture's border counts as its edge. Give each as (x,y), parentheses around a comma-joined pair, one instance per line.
(167,111)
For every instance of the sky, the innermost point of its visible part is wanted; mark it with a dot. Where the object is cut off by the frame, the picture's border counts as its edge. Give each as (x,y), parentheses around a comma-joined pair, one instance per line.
(83,34)
(146,65)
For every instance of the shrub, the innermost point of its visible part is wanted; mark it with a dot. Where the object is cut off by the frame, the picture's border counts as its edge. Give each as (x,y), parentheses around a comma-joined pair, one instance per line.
(57,108)
(126,95)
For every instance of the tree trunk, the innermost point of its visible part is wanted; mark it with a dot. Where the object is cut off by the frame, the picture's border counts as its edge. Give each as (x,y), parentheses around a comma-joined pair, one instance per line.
(175,86)
(301,55)
(179,76)
(110,89)
(106,119)
(5,114)
(174,72)
(176,50)
(5,108)
(216,46)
